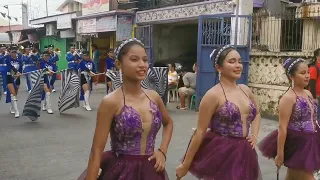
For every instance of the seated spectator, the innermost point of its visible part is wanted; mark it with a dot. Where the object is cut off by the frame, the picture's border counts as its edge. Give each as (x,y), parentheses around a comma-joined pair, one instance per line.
(180,82)
(172,77)
(189,81)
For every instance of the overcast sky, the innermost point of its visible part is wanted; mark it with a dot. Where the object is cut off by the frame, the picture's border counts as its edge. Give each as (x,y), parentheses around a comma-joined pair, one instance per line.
(37,8)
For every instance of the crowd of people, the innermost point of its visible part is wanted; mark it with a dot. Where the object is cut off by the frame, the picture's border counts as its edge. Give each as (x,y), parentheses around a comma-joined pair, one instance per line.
(225,141)
(15,63)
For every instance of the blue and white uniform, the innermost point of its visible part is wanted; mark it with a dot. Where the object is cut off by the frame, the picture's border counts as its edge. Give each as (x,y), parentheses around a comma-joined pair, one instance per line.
(30,64)
(13,66)
(86,67)
(3,70)
(46,96)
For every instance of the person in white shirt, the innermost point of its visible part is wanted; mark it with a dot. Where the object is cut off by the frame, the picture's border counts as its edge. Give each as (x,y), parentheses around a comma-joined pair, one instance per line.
(172,77)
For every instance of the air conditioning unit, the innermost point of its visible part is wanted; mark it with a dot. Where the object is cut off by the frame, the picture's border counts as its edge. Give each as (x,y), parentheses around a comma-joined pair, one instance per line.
(51,30)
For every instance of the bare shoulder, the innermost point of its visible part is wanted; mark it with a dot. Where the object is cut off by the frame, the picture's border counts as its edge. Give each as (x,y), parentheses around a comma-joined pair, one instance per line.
(308,93)
(245,88)
(111,100)
(214,92)
(153,95)
(288,98)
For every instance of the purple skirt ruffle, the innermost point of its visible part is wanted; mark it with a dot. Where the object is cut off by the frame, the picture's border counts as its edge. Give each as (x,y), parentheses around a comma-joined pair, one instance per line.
(301,150)
(127,167)
(222,157)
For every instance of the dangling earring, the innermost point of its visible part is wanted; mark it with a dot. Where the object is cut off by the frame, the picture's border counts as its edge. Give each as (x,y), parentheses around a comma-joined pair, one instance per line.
(219,76)
(292,84)
(120,74)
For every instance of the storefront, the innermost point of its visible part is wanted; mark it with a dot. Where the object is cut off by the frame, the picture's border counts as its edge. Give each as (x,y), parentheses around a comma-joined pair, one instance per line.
(60,32)
(105,30)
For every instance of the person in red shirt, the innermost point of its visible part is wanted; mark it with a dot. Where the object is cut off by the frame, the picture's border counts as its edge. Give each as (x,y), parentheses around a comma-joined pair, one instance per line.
(314,84)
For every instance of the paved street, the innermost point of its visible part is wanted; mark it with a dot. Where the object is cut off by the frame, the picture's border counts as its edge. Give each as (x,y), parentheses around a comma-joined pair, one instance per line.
(57,146)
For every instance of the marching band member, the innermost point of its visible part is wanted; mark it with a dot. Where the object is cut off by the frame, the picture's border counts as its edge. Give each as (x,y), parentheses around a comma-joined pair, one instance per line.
(3,67)
(53,60)
(110,65)
(87,69)
(14,68)
(73,58)
(45,48)
(46,64)
(29,61)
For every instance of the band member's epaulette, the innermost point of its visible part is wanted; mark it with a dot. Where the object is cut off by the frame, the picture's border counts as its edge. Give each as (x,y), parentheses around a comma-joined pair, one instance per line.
(68,52)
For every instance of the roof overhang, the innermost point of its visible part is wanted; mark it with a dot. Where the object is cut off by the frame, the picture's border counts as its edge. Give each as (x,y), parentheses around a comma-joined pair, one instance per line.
(52,18)
(106,13)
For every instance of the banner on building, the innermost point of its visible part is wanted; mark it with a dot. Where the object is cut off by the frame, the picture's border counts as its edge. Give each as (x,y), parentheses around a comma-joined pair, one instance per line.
(124,28)
(95,6)
(86,26)
(106,24)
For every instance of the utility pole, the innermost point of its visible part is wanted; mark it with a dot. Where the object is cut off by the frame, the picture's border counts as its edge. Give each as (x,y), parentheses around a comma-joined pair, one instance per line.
(47,8)
(7,7)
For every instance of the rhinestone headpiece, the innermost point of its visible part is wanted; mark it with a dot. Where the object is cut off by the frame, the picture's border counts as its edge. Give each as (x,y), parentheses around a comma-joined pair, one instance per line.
(117,51)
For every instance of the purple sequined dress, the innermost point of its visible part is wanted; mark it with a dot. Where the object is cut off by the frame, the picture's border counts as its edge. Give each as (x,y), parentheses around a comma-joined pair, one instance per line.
(302,146)
(132,143)
(225,153)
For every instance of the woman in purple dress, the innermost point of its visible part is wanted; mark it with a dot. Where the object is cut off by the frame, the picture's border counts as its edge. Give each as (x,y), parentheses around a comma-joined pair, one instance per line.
(132,116)
(297,142)
(227,150)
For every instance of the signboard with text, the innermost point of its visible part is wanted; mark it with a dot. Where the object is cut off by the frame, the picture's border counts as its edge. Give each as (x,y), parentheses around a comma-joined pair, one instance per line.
(86,26)
(106,24)
(124,28)
(95,6)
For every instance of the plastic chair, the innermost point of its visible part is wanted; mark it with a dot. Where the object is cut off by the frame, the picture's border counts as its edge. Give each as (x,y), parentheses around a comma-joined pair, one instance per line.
(174,93)
(192,102)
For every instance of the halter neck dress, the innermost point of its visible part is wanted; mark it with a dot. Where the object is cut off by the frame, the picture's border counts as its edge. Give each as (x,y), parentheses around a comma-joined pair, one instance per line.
(132,143)
(302,146)
(225,153)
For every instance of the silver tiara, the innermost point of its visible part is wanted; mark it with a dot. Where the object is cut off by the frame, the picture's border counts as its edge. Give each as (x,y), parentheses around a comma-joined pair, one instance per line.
(219,52)
(117,51)
(293,63)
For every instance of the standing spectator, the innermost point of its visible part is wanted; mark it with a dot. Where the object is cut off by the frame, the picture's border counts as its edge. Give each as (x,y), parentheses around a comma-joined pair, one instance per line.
(96,56)
(189,81)
(314,84)
(172,77)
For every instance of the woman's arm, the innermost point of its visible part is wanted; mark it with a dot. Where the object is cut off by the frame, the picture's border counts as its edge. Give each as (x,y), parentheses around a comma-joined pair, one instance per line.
(105,114)
(285,109)
(166,122)
(208,106)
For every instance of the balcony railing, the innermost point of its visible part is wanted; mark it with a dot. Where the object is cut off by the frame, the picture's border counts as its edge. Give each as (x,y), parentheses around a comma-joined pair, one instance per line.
(153,4)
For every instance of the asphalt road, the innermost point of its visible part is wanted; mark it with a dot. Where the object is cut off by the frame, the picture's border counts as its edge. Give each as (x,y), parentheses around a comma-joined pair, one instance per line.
(57,146)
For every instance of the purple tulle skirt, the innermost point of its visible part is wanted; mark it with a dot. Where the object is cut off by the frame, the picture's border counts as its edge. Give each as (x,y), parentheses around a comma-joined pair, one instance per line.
(301,150)
(225,158)
(127,167)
